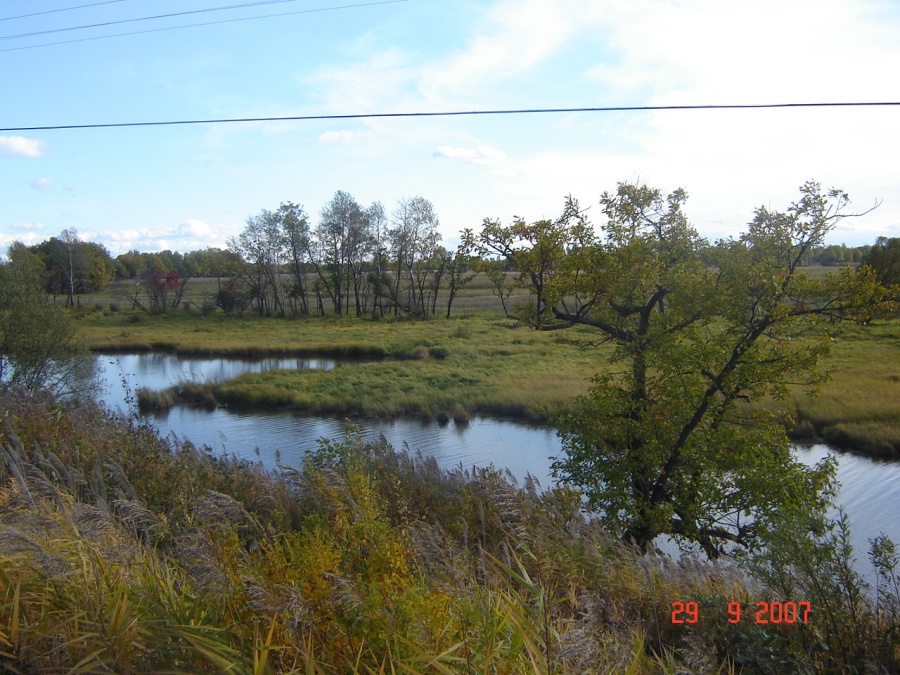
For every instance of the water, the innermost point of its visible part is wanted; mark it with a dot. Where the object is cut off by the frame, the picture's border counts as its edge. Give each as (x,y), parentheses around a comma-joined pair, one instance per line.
(870,492)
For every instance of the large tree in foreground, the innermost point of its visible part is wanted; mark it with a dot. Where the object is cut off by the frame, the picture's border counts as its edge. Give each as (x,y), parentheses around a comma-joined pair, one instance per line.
(668,441)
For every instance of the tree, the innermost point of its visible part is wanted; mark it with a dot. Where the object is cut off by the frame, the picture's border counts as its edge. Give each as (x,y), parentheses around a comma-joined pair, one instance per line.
(535,250)
(166,291)
(343,241)
(262,245)
(667,442)
(38,348)
(458,264)
(378,279)
(296,239)
(884,259)
(415,240)
(74,266)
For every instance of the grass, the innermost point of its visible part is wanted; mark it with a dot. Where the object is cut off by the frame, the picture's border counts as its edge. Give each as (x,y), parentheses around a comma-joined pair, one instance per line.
(121,553)
(859,407)
(482,363)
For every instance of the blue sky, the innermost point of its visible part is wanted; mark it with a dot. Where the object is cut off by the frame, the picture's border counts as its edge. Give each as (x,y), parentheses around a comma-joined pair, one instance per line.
(188,187)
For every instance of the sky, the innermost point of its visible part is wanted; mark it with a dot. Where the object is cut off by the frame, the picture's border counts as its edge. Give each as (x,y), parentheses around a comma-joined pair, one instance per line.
(193,186)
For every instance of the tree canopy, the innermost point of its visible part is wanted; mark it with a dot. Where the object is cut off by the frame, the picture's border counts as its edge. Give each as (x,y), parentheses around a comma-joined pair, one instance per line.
(665,442)
(38,348)
(884,259)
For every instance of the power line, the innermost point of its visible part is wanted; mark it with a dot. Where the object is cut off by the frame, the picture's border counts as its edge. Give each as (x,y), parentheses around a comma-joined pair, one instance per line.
(206,23)
(64,9)
(456,113)
(146,18)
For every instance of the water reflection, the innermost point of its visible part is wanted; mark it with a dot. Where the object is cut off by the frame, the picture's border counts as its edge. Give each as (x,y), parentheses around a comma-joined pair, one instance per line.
(123,374)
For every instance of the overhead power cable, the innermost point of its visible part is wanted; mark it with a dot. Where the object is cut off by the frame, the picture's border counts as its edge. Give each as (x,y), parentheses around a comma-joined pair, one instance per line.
(455,113)
(208,23)
(63,9)
(146,18)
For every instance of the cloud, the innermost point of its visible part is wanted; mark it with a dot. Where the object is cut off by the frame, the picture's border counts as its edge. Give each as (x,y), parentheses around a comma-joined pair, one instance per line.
(29,239)
(482,155)
(192,227)
(27,227)
(345,136)
(42,184)
(191,234)
(368,86)
(519,35)
(515,36)
(12,146)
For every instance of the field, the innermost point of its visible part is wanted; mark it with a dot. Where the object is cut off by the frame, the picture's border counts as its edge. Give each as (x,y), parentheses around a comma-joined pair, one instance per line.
(480,362)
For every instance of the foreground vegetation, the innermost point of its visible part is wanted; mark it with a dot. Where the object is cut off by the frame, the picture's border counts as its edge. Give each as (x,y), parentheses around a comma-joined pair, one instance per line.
(119,553)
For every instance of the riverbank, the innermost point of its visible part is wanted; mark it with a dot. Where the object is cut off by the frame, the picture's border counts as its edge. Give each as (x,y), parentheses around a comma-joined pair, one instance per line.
(483,364)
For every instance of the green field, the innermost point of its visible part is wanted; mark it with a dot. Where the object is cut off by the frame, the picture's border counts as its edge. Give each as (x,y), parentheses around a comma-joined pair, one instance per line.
(482,363)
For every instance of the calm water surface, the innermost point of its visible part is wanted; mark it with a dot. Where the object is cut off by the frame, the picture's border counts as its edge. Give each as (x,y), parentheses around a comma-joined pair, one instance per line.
(870,492)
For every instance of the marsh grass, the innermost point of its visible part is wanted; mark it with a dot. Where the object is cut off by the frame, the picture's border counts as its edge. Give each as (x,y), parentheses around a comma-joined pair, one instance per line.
(483,363)
(858,407)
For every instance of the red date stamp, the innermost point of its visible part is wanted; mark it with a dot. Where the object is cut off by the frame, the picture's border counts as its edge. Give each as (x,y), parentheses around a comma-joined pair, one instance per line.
(765,612)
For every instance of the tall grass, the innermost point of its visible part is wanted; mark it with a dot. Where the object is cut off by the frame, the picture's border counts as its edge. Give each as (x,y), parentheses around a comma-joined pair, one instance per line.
(120,553)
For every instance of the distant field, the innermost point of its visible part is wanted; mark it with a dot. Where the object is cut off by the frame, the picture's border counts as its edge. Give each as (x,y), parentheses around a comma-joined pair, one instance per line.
(478,294)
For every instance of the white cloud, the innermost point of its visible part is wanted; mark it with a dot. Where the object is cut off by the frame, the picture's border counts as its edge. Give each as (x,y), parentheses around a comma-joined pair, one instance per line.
(190,234)
(192,227)
(367,87)
(706,51)
(28,239)
(345,136)
(27,227)
(519,34)
(42,184)
(482,155)
(11,146)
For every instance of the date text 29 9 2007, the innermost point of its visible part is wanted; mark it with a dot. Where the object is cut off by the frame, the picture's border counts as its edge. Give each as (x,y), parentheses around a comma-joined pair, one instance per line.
(766,612)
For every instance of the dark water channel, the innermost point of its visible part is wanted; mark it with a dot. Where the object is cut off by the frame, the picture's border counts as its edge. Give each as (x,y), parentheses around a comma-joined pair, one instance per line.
(870,492)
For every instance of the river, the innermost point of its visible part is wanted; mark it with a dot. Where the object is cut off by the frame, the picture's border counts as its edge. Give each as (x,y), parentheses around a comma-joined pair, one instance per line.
(870,489)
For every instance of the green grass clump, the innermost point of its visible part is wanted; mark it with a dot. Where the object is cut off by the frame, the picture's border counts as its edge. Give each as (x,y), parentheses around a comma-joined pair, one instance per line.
(153,401)
(858,408)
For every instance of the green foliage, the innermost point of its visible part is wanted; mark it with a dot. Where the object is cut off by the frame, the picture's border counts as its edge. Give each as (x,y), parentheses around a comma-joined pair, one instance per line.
(38,347)
(660,444)
(72,266)
(884,259)
(536,251)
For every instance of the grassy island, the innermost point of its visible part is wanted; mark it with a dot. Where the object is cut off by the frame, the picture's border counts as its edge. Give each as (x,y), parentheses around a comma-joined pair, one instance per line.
(482,363)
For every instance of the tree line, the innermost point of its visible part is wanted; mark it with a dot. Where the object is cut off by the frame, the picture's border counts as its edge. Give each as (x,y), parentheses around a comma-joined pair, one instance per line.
(355,260)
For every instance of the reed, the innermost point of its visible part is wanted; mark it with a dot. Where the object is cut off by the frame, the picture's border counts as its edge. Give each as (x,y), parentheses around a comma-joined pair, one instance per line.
(122,553)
